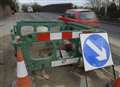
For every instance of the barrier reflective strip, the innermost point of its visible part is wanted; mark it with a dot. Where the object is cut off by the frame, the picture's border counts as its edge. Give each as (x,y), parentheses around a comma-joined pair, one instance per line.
(55,36)
(76,34)
(21,69)
(46,36)
(43,36)
(66,35)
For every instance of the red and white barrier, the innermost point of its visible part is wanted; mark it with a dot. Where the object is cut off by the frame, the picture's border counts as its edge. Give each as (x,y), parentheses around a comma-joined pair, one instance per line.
(57,36)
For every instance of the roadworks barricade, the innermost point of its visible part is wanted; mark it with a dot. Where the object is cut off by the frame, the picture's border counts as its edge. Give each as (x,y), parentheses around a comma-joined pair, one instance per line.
(58,34)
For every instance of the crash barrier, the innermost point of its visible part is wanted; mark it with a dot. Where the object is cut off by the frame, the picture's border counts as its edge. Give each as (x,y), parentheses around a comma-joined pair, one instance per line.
(57,43)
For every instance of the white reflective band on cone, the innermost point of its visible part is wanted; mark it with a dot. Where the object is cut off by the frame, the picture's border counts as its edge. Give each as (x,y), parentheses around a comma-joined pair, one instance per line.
(21,69)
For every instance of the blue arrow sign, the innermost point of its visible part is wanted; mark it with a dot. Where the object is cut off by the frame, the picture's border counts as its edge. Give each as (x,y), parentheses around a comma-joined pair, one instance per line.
(96,50)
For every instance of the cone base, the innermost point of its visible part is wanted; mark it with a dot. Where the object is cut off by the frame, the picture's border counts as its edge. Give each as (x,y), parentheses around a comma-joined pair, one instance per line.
(23,82)
(117,82)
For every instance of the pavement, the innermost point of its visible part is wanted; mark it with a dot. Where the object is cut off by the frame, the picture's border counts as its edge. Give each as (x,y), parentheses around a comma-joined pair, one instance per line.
(67,76)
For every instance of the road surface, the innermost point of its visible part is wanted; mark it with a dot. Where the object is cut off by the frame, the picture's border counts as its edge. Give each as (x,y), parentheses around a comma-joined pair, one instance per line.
(69,76)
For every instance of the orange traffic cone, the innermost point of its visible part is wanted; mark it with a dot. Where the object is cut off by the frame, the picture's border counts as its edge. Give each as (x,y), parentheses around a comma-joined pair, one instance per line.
(23,79)
(117,82)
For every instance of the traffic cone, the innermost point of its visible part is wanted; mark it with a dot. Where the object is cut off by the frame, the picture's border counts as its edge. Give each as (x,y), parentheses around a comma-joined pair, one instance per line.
(117,82)
(23,79)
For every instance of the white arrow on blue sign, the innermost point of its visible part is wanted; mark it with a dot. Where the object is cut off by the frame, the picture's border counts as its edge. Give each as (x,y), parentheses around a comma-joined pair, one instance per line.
(101,52)
(96,50)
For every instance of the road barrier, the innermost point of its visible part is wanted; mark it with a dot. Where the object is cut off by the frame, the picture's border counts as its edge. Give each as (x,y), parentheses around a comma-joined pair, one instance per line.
(57,33)
(58,44)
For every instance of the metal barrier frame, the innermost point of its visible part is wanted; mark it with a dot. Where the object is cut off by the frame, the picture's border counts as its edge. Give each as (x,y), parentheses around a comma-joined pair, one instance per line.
(23,42)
